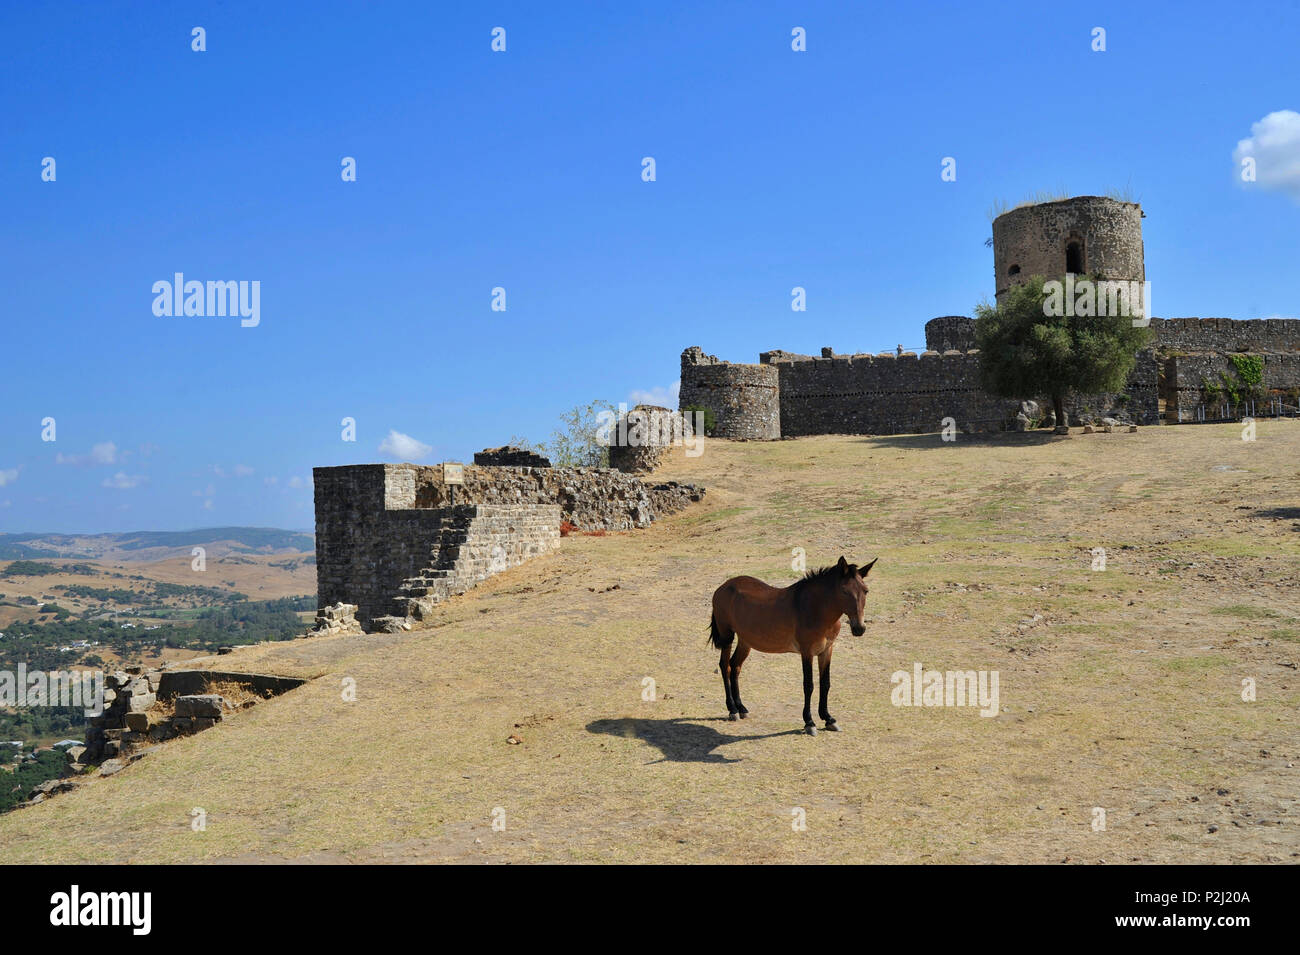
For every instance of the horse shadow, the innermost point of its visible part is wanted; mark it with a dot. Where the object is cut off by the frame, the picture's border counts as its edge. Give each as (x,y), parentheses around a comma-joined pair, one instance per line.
(681,739)
(1278,514)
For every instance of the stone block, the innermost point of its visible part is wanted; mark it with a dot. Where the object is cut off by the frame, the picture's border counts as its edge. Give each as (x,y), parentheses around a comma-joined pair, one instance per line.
(206,705)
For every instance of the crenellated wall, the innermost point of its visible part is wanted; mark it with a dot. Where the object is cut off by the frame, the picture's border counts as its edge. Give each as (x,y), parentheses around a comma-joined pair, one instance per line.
(885,394)
(1226,334)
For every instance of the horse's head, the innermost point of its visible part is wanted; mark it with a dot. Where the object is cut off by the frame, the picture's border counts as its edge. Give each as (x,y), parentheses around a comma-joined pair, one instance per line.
(852,592)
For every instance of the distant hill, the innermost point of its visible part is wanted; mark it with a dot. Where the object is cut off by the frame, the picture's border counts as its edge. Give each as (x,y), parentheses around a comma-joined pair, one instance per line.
(153,545)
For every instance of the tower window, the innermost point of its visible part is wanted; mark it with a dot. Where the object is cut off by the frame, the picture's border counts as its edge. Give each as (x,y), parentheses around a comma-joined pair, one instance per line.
(1014,270)
(1074,257)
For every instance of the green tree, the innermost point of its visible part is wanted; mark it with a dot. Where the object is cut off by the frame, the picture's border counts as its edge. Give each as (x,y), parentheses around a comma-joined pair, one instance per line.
(575,444)
(1025,352)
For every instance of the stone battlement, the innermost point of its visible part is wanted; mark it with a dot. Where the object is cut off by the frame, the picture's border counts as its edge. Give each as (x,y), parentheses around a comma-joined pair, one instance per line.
(890,393)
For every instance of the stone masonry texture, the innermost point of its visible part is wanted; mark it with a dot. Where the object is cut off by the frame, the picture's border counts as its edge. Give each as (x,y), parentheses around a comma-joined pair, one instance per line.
(1032,240)
(909,393)
(390,540)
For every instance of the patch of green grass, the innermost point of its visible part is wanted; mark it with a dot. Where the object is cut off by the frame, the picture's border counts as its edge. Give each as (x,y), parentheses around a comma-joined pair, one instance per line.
(1198,664)
(713,517)
(1245,611)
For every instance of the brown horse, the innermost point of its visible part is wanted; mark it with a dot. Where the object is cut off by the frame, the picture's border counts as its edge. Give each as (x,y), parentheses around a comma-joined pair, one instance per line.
(803,618)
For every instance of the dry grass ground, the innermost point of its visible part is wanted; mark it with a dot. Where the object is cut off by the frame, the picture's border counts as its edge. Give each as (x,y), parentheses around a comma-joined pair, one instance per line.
(1125,693)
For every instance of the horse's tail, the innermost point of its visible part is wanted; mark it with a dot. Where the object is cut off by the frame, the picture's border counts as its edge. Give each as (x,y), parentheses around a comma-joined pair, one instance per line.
(715,635)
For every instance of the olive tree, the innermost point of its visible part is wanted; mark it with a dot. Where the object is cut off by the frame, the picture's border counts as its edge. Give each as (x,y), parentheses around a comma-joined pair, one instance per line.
(1032,343)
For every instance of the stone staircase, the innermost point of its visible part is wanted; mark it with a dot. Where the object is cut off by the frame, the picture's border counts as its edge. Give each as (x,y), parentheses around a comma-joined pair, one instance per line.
(474,542)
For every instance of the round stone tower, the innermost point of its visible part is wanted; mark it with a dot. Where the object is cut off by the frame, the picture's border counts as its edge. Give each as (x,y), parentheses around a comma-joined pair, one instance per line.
(745,399)
(1086,235)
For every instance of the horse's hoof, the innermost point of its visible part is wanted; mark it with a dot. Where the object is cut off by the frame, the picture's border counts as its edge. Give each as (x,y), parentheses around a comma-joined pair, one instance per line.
(733,717)
(810,729)
(832,726)
(744,714)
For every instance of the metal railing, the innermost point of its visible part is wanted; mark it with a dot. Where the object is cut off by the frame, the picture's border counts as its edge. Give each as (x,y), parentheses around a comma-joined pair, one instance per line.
(1225,411)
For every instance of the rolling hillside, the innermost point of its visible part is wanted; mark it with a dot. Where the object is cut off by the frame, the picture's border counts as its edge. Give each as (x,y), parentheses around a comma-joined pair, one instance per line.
(154,545)
(1120,689)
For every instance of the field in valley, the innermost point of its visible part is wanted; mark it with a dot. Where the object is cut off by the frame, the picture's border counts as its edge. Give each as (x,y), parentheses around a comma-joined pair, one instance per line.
(1120,689)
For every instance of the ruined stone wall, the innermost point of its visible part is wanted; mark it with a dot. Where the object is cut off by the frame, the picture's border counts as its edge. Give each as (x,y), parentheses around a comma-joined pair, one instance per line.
(1225,334)
(380,525)
(368,536)
(1186,376)
(1031,240)
(639,440)
(475,542)
(591,499)
(744,399)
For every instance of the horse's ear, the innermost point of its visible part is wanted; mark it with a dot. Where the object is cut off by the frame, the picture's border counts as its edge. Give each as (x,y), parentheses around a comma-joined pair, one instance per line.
(866,568)
(843,566)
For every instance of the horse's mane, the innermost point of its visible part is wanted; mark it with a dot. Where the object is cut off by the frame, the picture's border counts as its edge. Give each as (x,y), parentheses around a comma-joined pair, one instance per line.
(821,573)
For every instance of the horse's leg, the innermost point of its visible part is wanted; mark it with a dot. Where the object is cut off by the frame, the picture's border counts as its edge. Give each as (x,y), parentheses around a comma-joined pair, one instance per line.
(724,665)
(825,685)
(808,726)
(737,661)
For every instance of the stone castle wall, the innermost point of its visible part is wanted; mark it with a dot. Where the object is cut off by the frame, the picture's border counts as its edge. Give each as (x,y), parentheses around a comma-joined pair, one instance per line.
(884,394)
(891,394)
(1186,377)
(1226,334)
(743,398)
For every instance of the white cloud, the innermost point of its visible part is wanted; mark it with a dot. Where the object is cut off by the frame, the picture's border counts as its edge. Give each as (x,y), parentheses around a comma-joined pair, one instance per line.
(270,481)
(123,481)
(663,397)
(8,476)
(403,447)
(207,505)
(296,482)
(1274,144)
(242,470)
(103,453)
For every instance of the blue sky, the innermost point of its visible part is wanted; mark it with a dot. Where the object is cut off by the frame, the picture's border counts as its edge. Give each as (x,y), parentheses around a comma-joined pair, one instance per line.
(522,169)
